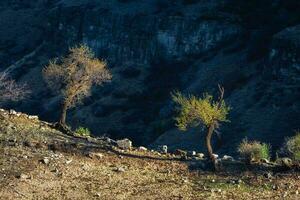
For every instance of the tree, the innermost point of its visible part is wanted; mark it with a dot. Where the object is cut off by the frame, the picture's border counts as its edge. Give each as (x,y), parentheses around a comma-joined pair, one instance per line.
(74,75)
(194,111)
(10,90)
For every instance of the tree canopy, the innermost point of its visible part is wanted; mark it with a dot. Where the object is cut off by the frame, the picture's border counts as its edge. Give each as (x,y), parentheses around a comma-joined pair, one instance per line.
(194,111)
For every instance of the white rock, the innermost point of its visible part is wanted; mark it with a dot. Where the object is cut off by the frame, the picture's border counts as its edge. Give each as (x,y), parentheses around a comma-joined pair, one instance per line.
(46,161)
(124,144)
(230,158)
(164,149)
(68,161)
(12,112)
(33,117)
(141,148)
(216,156)
(200,155)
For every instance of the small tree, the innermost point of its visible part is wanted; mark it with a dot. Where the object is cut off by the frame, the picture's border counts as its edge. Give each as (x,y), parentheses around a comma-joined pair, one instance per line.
(194,111)
(10,90)
(74,75)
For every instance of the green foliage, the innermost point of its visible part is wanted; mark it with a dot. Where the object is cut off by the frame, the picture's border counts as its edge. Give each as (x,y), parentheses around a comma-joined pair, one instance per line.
(254,150)
(293,146)
(81,131)
(194,111)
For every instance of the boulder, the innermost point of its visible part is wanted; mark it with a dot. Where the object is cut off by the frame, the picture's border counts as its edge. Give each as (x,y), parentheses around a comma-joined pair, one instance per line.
(125,144)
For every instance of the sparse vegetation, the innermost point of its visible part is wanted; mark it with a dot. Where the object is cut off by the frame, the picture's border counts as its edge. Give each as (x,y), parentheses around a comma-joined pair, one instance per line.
(74,75)
(81,131)
(10,90)
(194,111)
(254,150)
(292,147)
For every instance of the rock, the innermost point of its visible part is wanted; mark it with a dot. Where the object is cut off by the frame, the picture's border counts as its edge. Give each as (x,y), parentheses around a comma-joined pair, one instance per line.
(141,148)
(119,169)
(45,161)
(163,149)
(191,153)
(227,158)
(216,156)
(12,112)
(68,161)
(268,175)
(23,176)
(286,162)
(33,117)
(275,187)
(95,155)
(265,161)
(124,144)
(200,155)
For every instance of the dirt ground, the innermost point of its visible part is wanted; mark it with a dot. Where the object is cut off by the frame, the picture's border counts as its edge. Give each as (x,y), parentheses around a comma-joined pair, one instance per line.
(38,162)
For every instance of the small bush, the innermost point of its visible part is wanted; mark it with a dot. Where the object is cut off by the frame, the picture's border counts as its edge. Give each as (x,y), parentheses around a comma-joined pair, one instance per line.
(292,147)
(254,151)
(81,131)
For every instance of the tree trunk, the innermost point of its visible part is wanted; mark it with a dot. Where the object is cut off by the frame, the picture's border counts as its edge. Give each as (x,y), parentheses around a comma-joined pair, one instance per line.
(208,144)
(63,114)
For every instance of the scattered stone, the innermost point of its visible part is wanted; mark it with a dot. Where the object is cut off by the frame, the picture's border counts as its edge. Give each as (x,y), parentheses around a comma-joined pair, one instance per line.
(141,148)
(228,158)
(23,176)
(216,156)
(97,194)
(119,169)
(265,161)
(68,161)
(287,162)
(33,117)
(200,155)
(191,153)
(124,144)
(275,187)
(12,112)
(268,175)
(12,142)
(95,155)
(45,161)
(165,149)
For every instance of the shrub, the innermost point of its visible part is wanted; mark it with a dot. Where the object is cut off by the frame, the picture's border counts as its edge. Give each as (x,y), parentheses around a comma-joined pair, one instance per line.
(254,151)
(81,131)
(292,147)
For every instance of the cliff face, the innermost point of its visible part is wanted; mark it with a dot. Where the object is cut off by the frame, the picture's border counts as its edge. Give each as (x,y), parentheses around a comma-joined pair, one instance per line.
(154,47)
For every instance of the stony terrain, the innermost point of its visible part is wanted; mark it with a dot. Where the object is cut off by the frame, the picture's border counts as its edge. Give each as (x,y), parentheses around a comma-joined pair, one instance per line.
(39,162)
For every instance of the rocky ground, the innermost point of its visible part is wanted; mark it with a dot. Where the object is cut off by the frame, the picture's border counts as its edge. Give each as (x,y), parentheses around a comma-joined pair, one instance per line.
(39,162)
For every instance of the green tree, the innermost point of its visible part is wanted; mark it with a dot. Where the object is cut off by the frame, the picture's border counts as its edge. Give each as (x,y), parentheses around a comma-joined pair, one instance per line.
(195,111)
(74,75)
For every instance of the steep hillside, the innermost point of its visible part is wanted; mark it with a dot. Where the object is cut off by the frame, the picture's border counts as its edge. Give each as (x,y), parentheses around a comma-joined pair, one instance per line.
(154,47)
(38,162)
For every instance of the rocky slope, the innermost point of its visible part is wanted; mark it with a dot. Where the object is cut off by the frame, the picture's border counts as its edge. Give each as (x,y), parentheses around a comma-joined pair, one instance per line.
(39,162)
(154,47)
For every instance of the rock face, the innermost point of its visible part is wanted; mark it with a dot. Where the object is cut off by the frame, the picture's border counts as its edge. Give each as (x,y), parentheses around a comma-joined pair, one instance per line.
(155,47)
